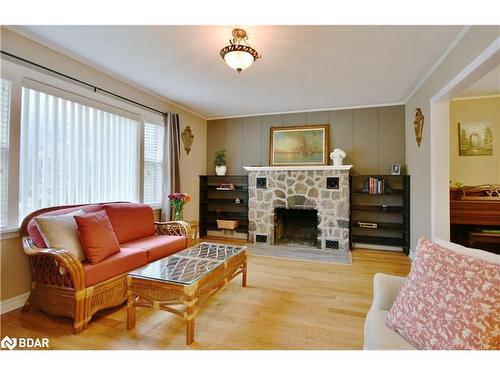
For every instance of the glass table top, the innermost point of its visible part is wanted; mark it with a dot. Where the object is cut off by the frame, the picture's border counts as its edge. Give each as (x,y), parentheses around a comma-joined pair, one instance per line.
(187,266)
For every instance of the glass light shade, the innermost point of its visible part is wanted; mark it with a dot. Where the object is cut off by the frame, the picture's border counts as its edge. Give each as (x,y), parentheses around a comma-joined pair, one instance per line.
(239,60)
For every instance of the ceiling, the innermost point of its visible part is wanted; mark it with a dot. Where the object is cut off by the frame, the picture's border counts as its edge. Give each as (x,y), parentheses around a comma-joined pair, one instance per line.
(486,86)
(303,68)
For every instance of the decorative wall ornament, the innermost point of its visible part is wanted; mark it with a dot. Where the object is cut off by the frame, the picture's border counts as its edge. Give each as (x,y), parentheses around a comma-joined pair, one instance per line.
(418,124)
(187,139)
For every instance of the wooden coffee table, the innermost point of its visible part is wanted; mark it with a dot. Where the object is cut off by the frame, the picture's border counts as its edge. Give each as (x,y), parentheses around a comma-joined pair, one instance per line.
(185,279)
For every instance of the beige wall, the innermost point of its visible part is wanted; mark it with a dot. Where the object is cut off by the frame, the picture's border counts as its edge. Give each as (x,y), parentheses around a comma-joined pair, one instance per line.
(14,267)
(373,138)
(418,159)
(475,170)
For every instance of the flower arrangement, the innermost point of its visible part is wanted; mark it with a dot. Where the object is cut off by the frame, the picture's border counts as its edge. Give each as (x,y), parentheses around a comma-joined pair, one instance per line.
(337,156)
(177,202)
(338,153)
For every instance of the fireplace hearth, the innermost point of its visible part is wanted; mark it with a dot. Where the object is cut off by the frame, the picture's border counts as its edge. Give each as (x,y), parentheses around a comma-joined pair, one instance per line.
(295,226)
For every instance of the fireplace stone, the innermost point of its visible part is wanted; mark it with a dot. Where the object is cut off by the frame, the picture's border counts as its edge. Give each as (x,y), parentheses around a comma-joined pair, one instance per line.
(302,188)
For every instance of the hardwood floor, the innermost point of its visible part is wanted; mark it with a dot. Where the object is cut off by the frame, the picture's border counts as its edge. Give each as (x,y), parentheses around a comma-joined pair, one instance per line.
(287,305)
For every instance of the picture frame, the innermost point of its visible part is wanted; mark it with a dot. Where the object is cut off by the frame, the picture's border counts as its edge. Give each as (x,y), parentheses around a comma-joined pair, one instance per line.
(475,138)
(395,169)
(299,145)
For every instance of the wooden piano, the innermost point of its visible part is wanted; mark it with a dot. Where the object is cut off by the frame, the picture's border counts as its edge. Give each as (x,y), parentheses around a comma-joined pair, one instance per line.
(475,216)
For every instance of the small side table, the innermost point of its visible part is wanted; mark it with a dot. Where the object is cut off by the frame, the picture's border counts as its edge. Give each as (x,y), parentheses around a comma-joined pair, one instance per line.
(195,227)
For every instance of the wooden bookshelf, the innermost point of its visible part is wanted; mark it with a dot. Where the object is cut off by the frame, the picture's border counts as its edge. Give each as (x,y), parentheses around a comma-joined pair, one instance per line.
(221,204)
(383,218)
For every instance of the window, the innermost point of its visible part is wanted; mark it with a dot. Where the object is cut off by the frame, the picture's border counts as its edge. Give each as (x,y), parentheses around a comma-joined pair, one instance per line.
(5,92)
(153,156)
(74,153)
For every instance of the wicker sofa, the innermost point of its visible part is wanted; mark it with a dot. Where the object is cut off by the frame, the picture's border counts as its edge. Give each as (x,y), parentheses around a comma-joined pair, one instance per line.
(62,285)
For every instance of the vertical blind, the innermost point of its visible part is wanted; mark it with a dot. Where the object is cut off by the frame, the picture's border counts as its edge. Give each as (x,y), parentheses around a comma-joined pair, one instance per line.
(73,153)
(5,90)
(153,169)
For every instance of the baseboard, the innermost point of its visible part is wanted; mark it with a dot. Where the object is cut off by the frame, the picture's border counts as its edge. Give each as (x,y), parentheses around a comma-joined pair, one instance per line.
(13,303)
(377,247)
(220,233)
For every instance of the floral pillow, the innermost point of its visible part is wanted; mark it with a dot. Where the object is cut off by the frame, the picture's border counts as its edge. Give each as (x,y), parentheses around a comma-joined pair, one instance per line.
(449,301)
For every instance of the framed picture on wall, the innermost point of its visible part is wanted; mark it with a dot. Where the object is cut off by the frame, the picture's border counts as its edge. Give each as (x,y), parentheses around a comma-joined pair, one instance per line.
(299,145)
(475,138)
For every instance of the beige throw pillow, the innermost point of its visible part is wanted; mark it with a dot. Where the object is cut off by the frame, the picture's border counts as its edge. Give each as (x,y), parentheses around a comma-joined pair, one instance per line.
(60,232)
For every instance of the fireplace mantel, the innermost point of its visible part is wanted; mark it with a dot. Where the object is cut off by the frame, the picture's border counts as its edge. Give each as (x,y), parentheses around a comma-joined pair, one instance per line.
(299,168)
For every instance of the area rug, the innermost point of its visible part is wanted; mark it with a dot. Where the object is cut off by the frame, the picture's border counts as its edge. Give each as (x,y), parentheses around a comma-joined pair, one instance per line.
(302,253)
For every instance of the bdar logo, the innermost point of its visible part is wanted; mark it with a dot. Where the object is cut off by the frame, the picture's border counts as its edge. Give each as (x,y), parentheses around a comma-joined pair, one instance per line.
(8,343)
(24,343)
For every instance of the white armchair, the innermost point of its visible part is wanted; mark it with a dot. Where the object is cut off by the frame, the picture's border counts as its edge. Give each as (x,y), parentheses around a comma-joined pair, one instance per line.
(385,290)
(377,335)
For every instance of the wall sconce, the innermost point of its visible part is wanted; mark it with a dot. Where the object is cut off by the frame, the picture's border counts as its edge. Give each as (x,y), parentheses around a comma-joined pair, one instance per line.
(418,124)
(187,139)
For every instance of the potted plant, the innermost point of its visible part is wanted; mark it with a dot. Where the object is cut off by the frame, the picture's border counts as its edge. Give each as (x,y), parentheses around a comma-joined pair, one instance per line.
(220,163)
(177,202)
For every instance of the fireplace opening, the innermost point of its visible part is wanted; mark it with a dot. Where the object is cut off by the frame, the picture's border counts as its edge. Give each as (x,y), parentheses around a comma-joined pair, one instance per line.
(295,226)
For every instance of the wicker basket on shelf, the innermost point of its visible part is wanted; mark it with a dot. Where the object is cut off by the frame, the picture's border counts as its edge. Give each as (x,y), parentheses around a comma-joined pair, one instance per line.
(228,224)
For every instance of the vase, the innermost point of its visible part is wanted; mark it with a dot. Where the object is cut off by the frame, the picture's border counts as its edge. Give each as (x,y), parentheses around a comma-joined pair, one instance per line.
(178,214)
(220,170)
(338,161)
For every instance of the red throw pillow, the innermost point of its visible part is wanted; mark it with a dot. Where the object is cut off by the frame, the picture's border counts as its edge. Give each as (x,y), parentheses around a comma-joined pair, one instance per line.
(449,301)
(96,236)
(130,221)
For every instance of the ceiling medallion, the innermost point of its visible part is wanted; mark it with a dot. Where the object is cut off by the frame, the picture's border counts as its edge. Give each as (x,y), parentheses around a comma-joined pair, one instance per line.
(238,54)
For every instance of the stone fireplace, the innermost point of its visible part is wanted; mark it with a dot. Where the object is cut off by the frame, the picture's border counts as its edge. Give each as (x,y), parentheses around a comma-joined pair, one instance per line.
(284,200)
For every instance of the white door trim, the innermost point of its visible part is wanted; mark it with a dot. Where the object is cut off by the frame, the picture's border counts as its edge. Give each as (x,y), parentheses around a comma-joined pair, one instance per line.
(440,138)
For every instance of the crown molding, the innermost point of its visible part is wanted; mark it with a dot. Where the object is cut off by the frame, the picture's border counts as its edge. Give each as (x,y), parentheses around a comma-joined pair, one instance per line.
(307,111)
(438,63)
(477,97)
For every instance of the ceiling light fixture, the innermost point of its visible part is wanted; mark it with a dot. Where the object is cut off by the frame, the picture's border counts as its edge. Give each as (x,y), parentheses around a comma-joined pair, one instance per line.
(238,54)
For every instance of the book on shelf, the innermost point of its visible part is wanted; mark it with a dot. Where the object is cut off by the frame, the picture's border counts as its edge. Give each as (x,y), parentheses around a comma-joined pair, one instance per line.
(374,186)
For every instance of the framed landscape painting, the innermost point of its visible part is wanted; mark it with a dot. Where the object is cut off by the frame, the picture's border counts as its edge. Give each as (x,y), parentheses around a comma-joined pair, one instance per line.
(299,145)
(475,139)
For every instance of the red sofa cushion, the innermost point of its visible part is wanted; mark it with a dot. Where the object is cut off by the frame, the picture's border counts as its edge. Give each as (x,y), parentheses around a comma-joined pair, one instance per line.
(35,234)
(158,246)
(125,260)
(130,221)
(96,236)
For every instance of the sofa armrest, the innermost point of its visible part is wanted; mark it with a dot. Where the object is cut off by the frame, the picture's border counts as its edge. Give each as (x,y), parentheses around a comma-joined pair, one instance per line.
(53,267)
(175,228)
(385,289)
